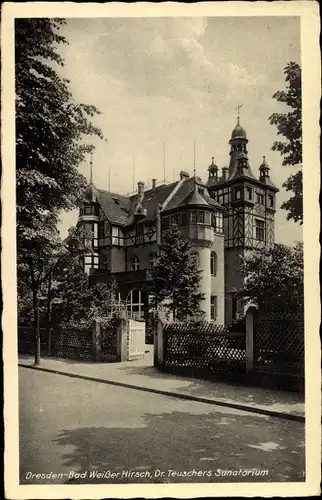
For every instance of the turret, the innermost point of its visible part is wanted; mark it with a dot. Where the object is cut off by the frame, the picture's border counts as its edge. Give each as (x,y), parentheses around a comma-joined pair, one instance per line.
(264,175)
(238,144)
(212,174)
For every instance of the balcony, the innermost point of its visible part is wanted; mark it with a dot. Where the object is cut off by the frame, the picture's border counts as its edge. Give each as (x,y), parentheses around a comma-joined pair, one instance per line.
(123,278)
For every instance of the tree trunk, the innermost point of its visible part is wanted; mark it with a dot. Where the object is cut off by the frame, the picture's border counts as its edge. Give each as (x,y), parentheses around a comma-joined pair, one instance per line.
(37,324)
(49,315)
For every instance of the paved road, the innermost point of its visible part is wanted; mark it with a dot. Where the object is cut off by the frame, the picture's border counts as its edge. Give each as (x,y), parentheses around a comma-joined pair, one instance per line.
(71,426)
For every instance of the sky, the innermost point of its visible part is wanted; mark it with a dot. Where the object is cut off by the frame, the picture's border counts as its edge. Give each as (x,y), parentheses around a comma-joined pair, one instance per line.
(176,81)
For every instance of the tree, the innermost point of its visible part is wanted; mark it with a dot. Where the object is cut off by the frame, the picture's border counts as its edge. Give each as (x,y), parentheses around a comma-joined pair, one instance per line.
(50,126)
(289,125)
(274,277)
(50,133)
(39,260)
(176,276)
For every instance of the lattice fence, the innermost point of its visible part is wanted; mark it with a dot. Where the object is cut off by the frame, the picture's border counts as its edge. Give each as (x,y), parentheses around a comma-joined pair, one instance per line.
(279,342)
(73,343)
(204,346)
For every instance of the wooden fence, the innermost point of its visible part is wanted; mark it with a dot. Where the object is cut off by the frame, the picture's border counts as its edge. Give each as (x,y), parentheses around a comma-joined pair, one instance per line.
(101,342)
(269,352)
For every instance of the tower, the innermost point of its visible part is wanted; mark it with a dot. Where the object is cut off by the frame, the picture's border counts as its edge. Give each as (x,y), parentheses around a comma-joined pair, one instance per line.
(200,219)
(249,217)
(88,221)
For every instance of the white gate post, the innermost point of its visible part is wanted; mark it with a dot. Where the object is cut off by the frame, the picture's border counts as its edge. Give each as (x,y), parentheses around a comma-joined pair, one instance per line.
(122,339)
(250,313)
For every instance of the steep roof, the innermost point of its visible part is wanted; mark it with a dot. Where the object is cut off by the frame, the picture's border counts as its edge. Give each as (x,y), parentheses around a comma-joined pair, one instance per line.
(188,194)
(194,198)
(120,209)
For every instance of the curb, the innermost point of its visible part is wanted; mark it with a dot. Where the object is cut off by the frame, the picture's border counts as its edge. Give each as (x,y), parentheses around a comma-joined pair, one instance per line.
(178,395)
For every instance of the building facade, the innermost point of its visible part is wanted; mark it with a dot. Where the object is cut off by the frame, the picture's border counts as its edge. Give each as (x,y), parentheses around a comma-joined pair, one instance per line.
(224,218)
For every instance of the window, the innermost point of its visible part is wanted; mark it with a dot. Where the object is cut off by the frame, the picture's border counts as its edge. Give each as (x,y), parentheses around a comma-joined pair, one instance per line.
(249,193)
(213,307)
(217,222)
(271,200)
(213,263)
(153,260)
(116,201)
(117,236)
(260,199)
(260,230)
(201,217)
(175,220)
(237,194)
(106,263)
(88,227)
(88,210)
(139,238)
(91,261)
(135,263)
(95,234)
(193,217)
(101,229)
(135,304)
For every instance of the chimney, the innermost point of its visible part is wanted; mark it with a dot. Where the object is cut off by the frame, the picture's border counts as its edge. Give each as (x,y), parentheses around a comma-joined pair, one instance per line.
(154,181)
(140,192)
(184,175)
(225,171)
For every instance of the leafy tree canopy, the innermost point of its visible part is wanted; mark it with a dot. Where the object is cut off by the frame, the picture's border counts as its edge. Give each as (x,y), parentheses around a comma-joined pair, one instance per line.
(176,276)
(50,128)
(274,276)
(289,125)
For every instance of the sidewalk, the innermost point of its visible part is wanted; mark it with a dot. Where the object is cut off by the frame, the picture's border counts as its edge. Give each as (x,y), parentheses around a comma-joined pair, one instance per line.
(141,375)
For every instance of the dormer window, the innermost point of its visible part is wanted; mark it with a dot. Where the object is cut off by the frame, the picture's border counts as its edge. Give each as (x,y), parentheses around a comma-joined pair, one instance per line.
(237,194)
(116,201)
(260,199)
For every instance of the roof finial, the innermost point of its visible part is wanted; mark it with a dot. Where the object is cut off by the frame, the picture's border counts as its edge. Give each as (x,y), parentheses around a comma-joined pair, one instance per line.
(238,114)
(212,160)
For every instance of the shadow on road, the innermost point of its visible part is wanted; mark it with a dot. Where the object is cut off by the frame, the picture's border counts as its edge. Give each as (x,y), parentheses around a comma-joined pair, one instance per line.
(215,441)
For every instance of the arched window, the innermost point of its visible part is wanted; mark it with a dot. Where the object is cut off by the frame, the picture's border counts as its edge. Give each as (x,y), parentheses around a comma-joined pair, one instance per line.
(135,304)
(213,263)
(135,263)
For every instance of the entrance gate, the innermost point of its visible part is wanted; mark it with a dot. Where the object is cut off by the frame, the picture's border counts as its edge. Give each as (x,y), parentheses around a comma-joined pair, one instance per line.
(136,339)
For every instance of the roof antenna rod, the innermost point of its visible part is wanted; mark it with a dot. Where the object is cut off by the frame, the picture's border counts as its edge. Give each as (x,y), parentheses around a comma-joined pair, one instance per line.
(91,169)
(194,159)
(133,174)
(109,178)
(163,162)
